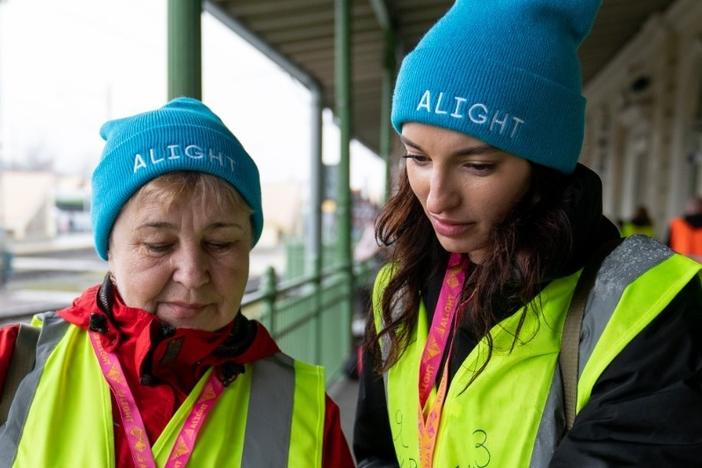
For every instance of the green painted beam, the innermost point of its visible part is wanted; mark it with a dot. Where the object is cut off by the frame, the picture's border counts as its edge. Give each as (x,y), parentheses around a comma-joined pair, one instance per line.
(343,201)
(343,114)
(184,48)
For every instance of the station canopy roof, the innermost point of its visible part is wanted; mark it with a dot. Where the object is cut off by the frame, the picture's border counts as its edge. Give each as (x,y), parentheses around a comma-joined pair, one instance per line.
(302,32)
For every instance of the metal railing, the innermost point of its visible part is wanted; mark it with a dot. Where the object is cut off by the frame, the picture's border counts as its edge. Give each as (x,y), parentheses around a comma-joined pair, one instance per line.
(310,317)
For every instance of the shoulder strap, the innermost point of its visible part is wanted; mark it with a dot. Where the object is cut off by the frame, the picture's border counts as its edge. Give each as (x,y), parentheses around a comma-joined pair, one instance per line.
(570,342)
(21,364)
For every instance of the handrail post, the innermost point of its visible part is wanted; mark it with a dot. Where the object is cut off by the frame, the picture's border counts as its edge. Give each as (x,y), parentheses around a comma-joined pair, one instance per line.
(269,288)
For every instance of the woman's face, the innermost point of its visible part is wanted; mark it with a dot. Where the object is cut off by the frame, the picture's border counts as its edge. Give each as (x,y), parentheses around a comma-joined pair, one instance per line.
(465,186)
(186,264)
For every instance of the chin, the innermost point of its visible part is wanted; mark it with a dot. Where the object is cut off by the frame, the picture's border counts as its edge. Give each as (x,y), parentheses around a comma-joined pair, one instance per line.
(456,245)
(463,246)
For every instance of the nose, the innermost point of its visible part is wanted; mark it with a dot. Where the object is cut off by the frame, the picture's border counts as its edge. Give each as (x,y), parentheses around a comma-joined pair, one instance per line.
(443,193)
(190,267)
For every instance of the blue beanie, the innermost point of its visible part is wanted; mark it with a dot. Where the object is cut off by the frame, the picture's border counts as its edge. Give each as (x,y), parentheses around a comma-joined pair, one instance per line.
(183,135)
(505,72)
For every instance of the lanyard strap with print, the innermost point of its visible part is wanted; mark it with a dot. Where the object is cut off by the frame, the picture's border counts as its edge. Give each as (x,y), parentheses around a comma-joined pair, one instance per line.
(442,326)
(131,418)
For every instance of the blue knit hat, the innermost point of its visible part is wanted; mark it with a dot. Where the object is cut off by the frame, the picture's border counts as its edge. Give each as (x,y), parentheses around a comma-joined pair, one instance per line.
(183,135)
(505,72)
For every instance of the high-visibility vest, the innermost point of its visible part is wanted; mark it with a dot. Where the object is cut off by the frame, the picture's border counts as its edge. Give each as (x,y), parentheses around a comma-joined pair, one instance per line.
(512,414)
(272,415)
(630,229)
(684,238)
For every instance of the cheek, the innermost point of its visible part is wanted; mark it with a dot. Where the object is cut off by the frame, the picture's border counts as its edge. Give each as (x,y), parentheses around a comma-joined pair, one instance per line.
(232,270)
(140,282)
(418,184)
(498,203)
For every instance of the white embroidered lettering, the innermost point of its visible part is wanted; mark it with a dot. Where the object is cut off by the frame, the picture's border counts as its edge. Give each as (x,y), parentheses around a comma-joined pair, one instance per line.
(425,101)
(194,152)
(517,123)
(217,156)
(173,154)
(231,163)
(501,123)
(459,102)
(437,109)
(152,156)
(138,162)
(480,118)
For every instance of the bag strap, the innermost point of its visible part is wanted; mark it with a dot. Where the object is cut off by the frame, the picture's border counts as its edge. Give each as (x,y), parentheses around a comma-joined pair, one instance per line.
(570,342)
(21,363)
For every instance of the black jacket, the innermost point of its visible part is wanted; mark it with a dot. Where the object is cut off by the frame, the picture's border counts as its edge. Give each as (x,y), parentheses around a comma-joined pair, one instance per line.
(646,407)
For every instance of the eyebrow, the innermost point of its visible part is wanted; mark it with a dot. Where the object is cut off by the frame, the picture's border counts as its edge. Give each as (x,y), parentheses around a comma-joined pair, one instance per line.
(165,225)
(473,150)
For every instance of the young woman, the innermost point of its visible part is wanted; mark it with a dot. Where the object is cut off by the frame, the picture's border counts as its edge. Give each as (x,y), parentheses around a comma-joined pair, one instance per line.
(498,240)
(157,366)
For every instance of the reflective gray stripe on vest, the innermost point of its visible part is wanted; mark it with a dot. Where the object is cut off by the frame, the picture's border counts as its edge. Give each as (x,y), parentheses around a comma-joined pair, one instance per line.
(631,259)
(52,331)
(552,425)
(270,413)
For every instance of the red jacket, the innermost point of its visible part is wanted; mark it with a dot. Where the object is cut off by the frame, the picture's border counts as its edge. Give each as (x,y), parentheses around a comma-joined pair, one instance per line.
(162,381)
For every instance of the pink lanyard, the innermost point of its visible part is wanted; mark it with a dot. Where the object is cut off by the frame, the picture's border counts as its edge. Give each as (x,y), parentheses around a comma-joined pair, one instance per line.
(131,418)
(442,326)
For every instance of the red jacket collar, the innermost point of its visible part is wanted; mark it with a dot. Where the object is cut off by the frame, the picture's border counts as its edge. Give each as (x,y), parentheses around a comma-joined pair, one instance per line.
(155,350)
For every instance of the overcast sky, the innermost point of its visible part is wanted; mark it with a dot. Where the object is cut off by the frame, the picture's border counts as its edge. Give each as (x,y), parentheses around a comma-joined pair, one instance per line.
(67,66)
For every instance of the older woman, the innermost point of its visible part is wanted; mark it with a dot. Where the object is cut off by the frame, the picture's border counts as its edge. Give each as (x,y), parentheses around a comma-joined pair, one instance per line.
(156,366)
(503,338)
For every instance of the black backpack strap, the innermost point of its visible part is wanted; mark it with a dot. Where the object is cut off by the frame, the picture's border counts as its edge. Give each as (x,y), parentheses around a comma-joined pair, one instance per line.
(21,363)
(570,342)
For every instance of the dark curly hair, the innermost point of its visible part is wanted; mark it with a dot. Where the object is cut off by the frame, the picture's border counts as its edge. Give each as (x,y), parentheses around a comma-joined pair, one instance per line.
(534,241)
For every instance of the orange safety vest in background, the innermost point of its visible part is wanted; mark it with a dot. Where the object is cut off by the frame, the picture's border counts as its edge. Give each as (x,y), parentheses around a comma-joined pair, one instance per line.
(684,238)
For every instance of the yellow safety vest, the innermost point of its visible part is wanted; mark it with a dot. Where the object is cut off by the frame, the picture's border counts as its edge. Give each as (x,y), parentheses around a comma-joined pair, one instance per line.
(272,415)
(512,415)
(630,229)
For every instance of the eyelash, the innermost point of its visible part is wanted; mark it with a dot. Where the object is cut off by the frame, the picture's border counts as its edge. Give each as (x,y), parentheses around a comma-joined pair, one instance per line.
(417,158)
(219,246)
(161,249)
(158,248)
(481,168)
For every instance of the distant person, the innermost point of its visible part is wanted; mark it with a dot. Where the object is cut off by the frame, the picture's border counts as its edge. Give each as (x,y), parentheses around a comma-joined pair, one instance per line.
(640,223)
(685,232)
(157,366)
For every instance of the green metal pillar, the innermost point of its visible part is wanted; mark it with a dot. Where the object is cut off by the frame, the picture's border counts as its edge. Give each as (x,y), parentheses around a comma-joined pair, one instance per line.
(314,238)
(389,66)
(343,113)
(342,58)
(184,48)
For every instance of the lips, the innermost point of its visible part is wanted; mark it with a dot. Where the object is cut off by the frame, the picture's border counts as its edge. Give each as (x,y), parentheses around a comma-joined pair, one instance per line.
(184,309)
(449,228)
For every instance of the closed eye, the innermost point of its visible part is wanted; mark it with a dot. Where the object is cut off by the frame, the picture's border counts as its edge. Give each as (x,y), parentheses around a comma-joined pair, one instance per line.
(417,158)
(480,168)
(158,248)
(219,246)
